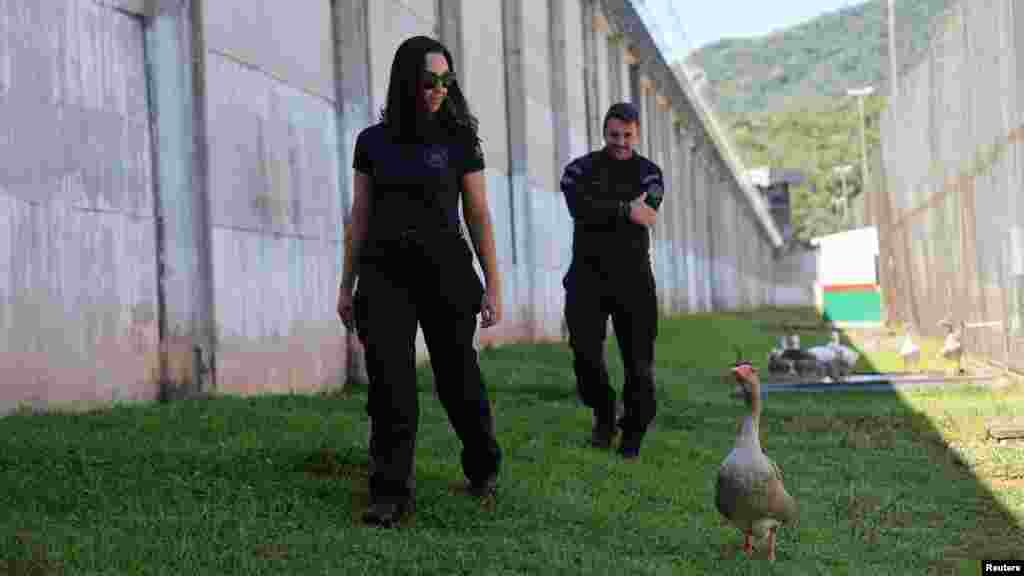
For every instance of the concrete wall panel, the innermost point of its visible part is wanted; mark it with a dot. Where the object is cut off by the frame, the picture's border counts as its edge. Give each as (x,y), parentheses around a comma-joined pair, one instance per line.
(275,302)
(273,155)
(254,31)
(602,67)
(391,23)
(78,300)
(577,110)
(501,213)
(425,10)
(540,118)
(541,149)
(78,305)
(525,249)
(537,53)
(483,80)
(74,101)
(276,205)
(624,90)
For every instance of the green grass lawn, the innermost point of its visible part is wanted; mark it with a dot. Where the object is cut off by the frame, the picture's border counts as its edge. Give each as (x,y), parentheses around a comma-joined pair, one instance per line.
(887,484)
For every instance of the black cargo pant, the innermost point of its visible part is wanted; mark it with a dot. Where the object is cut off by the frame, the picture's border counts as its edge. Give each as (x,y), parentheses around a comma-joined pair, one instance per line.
(425,292)
(626,292)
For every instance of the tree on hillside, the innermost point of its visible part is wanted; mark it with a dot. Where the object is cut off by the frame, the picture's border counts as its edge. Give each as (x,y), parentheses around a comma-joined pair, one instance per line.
(815,136)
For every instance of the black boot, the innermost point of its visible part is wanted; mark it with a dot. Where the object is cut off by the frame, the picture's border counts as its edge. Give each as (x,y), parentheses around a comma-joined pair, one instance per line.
(389,503)
(387,512)
(629,448)
(485,487)
(604,430)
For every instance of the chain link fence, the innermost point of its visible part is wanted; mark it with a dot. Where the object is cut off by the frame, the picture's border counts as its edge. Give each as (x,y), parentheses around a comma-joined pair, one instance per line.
(946,199)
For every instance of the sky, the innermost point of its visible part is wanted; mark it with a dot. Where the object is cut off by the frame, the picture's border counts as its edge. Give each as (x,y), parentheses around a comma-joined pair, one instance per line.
(705,21)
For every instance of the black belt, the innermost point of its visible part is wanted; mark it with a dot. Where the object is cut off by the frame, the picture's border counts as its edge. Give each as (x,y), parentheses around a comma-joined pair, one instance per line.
(415,238)
(418,233)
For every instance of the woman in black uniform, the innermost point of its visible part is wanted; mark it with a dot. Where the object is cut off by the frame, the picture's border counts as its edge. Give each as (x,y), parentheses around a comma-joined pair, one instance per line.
(414,266)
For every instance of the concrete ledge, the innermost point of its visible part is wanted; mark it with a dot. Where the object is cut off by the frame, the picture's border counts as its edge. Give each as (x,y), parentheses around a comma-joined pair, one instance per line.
(880,383)
(1006,429)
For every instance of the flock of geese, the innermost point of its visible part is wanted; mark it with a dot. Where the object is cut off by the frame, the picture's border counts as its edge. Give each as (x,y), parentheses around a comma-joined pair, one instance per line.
(952,347)
(833,360)
(749,489)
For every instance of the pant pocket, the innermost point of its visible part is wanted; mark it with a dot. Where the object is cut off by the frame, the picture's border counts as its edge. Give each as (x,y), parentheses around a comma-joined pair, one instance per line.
(359,315)
(457,282)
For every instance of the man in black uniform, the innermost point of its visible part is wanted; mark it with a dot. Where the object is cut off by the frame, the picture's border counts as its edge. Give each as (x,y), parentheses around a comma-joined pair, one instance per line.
(613,195)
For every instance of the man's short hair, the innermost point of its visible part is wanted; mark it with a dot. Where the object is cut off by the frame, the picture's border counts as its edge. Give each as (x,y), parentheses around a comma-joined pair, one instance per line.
(623,111)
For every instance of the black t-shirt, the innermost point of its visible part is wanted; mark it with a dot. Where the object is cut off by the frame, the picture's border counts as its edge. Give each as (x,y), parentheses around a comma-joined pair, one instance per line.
(416,185)
(413,235)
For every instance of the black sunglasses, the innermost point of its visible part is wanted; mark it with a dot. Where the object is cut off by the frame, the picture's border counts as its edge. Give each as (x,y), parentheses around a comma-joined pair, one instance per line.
(430,81)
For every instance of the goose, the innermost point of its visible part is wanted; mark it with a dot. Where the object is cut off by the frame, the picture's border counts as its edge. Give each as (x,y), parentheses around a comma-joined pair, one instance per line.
(748,491)
(801,361)
(910,352)
(825,362)
(953,348)
(794,341)
(833,361)
(777,364)
(846,357)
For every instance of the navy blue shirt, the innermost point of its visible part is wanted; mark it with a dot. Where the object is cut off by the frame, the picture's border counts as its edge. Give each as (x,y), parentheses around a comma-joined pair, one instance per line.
(416,185)
(414,236)
(598,189)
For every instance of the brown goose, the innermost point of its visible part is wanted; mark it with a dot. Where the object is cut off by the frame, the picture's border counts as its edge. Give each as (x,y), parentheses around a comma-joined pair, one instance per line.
(749,491)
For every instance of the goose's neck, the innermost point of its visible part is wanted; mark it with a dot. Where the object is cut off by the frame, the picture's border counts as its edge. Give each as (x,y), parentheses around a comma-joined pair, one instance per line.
(750,430)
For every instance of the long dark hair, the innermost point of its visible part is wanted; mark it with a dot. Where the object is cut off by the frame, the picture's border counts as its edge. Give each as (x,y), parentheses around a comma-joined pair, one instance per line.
(402,113)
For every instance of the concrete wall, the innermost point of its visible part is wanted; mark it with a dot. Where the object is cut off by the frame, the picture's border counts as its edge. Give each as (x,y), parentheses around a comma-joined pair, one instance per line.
(187,235)
(391,22)
(483,81)
(78,296)
(795,275)
(275,197)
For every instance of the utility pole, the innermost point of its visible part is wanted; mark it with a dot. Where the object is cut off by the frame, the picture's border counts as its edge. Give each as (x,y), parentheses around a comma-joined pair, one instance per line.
(860,93)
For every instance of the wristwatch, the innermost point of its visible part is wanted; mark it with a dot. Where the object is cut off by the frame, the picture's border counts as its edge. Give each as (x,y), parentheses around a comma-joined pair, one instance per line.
(625,208)
(655,194)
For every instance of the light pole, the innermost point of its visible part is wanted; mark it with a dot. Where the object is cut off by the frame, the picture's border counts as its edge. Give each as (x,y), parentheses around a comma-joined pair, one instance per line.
(860,93)
(893,80)
(843,171)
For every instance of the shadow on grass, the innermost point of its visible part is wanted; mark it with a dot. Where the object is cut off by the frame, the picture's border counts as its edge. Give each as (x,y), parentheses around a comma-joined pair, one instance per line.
(889,424)
(885,464)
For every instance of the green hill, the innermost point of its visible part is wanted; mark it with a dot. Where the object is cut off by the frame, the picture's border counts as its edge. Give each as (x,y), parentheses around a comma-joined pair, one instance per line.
(783,96)
(819,58)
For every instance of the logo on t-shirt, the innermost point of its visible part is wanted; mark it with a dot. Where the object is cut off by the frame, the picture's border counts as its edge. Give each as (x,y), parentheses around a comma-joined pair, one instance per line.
(436,157)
